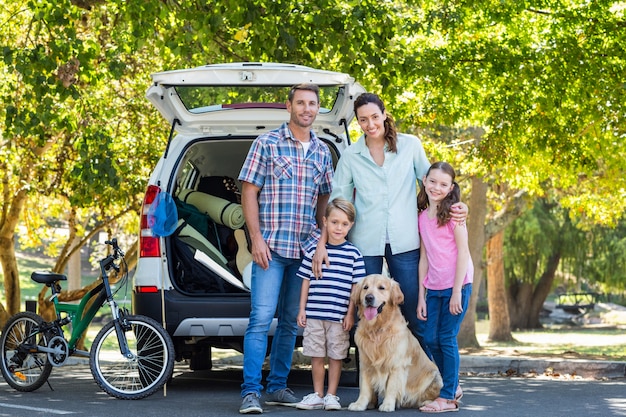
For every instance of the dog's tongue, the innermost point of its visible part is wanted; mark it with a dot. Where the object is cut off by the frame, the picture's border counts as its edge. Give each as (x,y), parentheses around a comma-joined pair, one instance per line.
(370,312)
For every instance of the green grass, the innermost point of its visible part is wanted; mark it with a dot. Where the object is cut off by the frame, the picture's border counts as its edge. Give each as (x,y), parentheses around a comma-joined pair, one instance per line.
(603,342)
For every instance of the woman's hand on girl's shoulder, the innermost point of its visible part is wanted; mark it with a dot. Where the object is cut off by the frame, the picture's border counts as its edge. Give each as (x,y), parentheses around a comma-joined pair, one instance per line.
(458,212)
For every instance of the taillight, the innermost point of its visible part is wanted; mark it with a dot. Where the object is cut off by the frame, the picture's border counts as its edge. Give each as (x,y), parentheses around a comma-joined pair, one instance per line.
(147,289)
(149,245)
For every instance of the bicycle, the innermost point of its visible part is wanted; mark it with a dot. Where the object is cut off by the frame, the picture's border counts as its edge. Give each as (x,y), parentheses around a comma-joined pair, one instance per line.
(141,363)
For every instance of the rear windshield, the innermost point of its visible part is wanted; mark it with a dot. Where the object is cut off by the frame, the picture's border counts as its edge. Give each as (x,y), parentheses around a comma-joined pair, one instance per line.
(202,99)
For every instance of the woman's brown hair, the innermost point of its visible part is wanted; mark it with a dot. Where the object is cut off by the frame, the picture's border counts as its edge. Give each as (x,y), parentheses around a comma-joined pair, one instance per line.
(391,135)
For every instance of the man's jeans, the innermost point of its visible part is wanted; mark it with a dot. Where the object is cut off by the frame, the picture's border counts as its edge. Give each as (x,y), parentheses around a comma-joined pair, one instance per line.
(275,290)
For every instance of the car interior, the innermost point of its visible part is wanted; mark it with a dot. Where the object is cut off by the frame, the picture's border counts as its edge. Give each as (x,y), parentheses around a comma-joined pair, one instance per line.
(210,248)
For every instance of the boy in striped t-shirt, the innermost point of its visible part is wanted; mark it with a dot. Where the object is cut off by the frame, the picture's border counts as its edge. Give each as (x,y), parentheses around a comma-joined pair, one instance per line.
(326,312)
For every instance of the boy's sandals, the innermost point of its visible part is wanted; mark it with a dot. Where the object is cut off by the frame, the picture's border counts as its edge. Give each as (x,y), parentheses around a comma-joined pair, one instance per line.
(440,405)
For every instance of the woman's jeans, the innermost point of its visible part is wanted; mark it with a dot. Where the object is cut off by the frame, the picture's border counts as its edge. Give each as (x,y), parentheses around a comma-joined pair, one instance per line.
(403,269)
(440,335)
(273,291)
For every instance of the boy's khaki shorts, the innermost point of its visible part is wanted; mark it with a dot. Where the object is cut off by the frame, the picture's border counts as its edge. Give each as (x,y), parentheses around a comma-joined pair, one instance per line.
(323,338)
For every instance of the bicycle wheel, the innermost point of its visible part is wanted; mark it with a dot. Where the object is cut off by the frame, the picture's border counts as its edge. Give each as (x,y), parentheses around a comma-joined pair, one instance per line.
(23,369)
(138,377)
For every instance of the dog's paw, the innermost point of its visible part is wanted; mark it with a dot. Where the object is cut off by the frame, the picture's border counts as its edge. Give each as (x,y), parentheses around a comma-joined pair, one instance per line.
(387,407)
(357,406)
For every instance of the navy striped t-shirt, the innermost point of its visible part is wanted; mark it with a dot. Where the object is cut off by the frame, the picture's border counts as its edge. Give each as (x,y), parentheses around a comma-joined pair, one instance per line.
(329,296)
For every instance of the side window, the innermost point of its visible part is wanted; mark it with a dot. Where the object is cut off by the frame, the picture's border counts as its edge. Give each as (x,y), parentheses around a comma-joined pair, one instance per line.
(188,177)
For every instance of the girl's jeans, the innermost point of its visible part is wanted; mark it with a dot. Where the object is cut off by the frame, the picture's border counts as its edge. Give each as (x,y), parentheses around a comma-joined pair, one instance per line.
(275,290)
(440,335)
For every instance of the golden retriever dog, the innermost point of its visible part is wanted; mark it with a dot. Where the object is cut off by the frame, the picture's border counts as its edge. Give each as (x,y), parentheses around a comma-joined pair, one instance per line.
(392,363)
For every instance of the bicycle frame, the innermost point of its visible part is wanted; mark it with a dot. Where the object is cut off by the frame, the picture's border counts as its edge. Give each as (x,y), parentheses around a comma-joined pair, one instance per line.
(80,317)
(73,313)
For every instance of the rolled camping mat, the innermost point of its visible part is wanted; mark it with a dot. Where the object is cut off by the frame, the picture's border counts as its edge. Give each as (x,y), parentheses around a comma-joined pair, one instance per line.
(221,211)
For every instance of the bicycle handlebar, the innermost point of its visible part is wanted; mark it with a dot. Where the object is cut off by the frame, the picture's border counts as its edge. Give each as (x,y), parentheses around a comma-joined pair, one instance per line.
(116,248)
(117,253)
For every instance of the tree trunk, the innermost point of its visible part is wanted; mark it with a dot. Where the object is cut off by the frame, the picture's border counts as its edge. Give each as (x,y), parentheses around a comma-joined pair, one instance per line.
(476,231)
(499,322)
(4,315)
(11,274)
(74,269)
(519,299)
(526,302)
(10,212)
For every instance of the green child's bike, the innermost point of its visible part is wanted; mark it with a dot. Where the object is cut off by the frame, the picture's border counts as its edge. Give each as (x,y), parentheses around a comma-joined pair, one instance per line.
(131,357)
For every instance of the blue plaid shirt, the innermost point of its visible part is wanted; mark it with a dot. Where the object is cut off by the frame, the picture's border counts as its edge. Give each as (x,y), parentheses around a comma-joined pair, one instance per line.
(290,183)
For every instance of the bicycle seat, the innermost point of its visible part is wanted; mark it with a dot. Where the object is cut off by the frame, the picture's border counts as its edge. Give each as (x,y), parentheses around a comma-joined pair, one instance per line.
(46,277)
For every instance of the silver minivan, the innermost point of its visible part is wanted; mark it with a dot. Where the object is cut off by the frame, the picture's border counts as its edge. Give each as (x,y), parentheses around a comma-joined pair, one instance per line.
(195,280)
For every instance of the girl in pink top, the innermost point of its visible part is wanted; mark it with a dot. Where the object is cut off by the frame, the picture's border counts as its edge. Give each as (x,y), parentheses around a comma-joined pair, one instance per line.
(445,279)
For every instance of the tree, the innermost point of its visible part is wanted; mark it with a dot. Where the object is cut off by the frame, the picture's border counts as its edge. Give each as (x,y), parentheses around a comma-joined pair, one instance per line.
(605,264)
(499,326)
(69,114)
(545,241)
(535,244)
(74,102)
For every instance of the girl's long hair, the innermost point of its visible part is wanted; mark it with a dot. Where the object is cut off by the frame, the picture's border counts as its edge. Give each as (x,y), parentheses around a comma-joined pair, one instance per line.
(443,210)
(391,134)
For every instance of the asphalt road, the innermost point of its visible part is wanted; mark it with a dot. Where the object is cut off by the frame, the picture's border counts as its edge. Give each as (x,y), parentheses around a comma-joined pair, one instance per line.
(216,393)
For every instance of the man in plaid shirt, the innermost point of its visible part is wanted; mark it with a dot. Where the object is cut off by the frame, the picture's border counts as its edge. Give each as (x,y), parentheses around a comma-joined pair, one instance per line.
(286,184)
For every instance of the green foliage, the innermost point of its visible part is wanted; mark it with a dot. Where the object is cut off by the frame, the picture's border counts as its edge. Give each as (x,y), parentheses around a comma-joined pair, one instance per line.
(556,234)
(606,263)
(75,120)
(592,259)
(543,82)
(530,240)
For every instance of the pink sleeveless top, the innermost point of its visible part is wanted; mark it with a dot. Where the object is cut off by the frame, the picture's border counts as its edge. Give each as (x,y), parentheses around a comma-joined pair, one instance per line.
(441,252)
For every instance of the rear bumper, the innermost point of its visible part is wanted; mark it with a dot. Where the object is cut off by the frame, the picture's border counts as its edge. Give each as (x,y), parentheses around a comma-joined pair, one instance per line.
(222,315)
